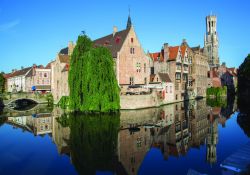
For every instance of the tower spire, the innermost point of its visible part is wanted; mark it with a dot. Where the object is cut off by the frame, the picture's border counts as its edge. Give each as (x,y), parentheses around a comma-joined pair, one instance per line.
(129,23)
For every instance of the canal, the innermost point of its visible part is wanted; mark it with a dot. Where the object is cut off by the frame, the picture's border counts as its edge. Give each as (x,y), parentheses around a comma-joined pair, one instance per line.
(173,139)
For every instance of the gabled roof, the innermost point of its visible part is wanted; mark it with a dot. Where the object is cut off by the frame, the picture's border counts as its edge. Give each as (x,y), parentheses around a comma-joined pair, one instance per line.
(164,77)
(63,58)
(157,56)
(173,52)
(183,50)
(48,66)
(113,42)
(21,72)
(6,76)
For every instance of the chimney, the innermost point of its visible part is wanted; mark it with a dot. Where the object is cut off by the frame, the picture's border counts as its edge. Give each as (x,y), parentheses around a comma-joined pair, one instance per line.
(166,51)
(114,30)
(71,47)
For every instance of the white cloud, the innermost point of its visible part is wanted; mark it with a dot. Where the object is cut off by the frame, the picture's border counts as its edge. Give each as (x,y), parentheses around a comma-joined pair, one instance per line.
(9,25)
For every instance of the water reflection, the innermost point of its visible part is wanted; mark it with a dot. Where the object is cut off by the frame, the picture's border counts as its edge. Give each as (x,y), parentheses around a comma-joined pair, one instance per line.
(119,143)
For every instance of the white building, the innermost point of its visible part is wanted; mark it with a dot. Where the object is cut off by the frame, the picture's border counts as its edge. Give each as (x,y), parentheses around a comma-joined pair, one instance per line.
(16,80)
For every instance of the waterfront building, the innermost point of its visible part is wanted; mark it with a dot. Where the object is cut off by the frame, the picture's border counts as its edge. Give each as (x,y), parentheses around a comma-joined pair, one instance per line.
(39,79)
(16,80)
(199,69)
(131,62)
(211,41)
(178,67)
(60,72)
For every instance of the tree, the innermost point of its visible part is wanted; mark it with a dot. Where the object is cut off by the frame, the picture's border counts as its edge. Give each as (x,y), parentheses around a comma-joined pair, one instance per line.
(244,86)
(2,83)
(92,81)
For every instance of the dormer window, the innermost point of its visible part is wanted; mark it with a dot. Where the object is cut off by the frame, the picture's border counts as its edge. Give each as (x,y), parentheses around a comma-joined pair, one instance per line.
(117,40)
(132,40)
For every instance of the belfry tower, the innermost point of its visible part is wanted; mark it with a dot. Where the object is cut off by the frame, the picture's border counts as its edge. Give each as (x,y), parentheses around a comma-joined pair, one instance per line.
(211,42)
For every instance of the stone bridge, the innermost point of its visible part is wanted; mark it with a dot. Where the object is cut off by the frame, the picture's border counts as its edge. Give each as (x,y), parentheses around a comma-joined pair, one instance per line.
(37,98)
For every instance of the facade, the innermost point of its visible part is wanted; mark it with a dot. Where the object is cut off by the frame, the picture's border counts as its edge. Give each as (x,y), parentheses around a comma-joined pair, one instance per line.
(178,66)
(16,80)
(211,41)
(59,73)
(131,63)
(39,79)
(199,71)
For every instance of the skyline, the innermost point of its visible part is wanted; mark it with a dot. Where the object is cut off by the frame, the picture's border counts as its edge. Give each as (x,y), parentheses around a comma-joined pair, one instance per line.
(32,36)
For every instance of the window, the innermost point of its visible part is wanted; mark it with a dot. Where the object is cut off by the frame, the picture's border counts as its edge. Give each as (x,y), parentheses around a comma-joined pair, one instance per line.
(170,89)
(144,67)
(178,66)
(176,97)
(132,40)
(166,89)
(185,77)
(157,79)
(138,67)
(45,75)
(132,50)
(177,76)
(145,80)
(131,80)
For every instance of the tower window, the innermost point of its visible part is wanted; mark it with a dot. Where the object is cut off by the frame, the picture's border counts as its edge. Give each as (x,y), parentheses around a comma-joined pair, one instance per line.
(132,40)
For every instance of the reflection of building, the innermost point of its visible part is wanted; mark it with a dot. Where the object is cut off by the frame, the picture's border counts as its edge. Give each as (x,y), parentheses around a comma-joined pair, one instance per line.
(134,143)
(38,124)
(199,123)
(212,138)
(60,134)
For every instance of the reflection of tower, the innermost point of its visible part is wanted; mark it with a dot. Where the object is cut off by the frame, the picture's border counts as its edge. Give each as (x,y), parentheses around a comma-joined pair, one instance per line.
(211,42)
(212,140)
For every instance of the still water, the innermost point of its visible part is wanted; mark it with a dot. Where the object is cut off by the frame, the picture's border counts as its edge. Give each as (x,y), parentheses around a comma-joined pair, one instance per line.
(172,139)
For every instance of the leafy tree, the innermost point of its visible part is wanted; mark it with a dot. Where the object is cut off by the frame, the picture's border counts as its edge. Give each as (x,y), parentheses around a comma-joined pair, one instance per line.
(244,86)
(2,83)
(92,81)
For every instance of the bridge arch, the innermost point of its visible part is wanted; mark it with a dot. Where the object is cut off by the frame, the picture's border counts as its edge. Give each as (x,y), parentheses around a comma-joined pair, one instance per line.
(20,99)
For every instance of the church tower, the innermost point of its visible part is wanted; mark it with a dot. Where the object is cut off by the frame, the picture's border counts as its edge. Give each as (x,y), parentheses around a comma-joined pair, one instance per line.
(211,42)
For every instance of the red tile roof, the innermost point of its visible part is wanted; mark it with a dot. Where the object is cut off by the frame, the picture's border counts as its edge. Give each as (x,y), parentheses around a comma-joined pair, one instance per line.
(183,50)
(173,52)
(157,56)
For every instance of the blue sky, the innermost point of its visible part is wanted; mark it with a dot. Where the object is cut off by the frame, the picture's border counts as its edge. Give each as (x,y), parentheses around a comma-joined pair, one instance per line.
(33,31)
